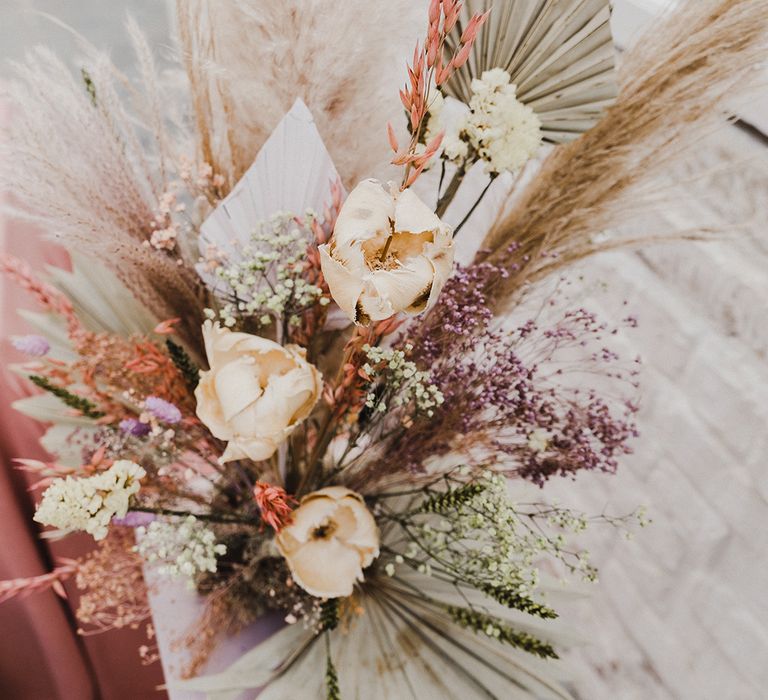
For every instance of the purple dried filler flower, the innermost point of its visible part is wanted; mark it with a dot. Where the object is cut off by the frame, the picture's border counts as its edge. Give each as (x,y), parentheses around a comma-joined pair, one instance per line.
(134,427)
(134,519)
(162,410)
(521,396)
(34,345)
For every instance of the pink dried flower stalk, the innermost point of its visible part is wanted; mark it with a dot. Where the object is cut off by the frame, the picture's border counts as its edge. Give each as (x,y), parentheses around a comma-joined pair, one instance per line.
(274,503)
(22,587)
(47,296)
(429,67)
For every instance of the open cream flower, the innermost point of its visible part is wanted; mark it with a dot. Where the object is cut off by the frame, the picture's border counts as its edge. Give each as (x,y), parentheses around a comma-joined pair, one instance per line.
(389,253)
(255,393)
(329,542)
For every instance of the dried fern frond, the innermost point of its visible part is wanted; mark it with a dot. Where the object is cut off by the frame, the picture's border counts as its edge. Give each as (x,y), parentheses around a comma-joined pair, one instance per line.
(673,86)
(248,61)
(559,53)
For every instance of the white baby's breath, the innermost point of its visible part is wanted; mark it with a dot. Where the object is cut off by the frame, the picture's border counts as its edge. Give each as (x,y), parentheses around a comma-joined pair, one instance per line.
(404,380)
(494,127)
(184,548)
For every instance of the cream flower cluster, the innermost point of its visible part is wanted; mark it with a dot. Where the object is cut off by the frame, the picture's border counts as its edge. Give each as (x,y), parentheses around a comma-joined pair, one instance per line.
(504,132)
(441,119)
(185,548)
(496,126)
(90,503)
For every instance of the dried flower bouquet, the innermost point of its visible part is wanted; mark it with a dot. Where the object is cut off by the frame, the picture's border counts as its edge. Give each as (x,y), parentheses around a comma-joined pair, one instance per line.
(290,395)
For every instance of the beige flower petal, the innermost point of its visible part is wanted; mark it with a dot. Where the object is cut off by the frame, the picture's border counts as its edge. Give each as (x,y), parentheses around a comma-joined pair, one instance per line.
(208,407)
(442,262)
(222,340)
(406,287)
(311,515)
(346,286)
(326,568)
(345,522)
(367,211)
(411,214)
(284,398)
(256,449)
(334,492)
(366,533)
(237,386)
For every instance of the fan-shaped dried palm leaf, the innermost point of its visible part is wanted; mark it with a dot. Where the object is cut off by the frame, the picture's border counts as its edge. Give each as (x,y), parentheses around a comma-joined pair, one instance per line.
(673,85)
(404,646)
(559,53)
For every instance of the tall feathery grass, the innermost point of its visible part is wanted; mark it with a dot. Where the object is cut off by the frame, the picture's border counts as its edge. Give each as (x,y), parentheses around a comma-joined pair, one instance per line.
(248,61)
(87,156)
(673,88)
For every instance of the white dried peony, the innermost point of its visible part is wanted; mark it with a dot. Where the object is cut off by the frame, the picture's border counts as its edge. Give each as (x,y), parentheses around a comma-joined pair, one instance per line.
(255,393)
(389,253)
(90,503)
(329,542)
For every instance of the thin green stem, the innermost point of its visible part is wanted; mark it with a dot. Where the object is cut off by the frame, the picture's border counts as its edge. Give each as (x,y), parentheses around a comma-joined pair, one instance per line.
(183,513)
(450,191)
(475,205)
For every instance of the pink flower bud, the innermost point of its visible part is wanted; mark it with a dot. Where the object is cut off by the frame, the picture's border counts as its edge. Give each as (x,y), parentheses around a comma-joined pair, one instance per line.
(414,117)
(414,175)
(432,53)
(462,56)
(434,144)
(392,138)
(434,11)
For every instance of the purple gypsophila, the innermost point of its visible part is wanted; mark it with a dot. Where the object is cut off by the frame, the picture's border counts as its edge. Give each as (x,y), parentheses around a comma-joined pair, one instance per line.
(162,410)
(34,345)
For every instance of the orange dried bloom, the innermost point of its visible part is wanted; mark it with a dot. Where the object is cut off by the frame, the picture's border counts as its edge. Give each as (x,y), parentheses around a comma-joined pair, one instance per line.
(274,503)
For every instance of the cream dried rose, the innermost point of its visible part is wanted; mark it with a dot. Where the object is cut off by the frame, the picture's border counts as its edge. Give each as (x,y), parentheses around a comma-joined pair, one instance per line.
(389,253)
(255,393)
(330,540)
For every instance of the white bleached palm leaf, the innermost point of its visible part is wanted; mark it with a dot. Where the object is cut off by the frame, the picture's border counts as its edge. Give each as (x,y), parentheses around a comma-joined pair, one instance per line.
(559,53)
(292,173)
(101,300)
(399,647)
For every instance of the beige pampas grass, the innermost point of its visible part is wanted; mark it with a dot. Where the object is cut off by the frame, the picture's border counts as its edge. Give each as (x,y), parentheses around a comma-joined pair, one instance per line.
(672,88)
(78,162)
(248,61)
